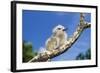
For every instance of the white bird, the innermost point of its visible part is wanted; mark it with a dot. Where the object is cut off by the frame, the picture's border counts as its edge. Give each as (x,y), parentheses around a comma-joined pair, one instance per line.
(58,38)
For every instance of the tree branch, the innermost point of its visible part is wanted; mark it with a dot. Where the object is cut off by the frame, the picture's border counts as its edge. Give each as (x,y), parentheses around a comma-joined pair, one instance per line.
(43,57)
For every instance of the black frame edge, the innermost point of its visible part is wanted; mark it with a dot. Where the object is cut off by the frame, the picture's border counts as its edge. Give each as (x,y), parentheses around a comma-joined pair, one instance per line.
(13,36)
(54,4)
(57,68)
(96,36)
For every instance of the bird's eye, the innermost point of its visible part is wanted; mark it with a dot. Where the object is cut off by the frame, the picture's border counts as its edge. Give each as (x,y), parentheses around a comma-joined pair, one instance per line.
(59,28)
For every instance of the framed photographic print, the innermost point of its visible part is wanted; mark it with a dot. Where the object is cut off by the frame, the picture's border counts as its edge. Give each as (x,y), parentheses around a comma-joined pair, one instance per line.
(47,36)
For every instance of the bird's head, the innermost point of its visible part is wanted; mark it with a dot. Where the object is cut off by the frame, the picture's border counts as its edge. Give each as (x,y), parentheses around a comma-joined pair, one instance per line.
(59,29)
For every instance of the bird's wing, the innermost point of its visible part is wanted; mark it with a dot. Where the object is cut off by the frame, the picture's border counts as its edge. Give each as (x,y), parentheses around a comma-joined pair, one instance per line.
(52,43)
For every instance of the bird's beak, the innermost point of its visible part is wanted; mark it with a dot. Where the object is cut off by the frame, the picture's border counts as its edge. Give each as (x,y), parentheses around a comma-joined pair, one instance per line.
(65,29)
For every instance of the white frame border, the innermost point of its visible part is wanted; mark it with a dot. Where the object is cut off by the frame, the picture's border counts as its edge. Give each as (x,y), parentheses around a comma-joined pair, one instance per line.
(21,65)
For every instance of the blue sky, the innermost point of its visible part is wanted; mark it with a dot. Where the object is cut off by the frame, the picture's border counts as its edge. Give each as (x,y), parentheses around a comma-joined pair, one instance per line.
(38,25)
